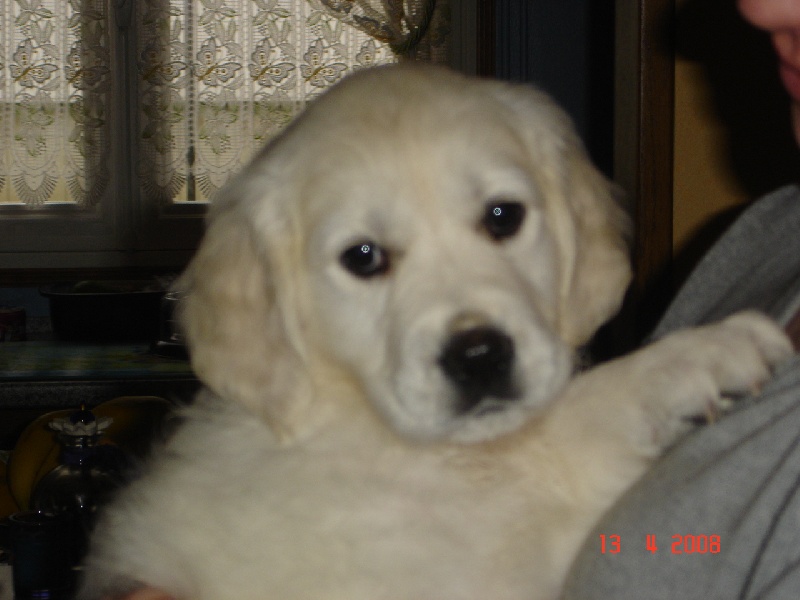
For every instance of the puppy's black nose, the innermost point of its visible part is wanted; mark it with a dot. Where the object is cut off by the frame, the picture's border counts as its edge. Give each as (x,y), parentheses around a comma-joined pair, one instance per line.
(479,362)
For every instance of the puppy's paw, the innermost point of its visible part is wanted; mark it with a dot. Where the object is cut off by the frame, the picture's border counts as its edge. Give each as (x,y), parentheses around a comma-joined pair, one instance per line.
(696,372)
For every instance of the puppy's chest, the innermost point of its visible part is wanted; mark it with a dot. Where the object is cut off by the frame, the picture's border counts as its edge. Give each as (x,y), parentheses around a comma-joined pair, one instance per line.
(378,486)
(361,515)
(380,520)
(358,487)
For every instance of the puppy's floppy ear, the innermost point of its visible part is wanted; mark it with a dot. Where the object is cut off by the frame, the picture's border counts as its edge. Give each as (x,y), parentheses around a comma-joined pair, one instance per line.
(595,243)
(239,336)
(583,210)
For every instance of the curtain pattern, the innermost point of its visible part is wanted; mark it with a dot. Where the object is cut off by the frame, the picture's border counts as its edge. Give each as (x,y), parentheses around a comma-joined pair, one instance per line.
(215,80)
(220,77)
(54,86)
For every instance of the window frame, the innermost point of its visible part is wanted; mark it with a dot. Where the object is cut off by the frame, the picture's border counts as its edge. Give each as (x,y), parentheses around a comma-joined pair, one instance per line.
(118,234)
(123,237)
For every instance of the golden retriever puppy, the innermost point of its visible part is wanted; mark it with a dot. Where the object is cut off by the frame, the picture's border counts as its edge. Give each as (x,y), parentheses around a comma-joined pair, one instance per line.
(385,312)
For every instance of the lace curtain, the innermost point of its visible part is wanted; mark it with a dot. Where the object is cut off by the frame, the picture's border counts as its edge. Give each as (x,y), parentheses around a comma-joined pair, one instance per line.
(54,90)
(215,80)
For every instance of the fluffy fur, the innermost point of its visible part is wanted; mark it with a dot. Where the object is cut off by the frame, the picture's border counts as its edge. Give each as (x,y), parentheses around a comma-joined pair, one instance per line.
(334,455)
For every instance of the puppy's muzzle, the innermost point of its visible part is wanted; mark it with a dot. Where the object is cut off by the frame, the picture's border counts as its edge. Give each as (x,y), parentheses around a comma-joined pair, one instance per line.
(479,361)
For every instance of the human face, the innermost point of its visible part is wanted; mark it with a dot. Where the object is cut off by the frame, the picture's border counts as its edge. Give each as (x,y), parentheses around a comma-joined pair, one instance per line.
(781,19)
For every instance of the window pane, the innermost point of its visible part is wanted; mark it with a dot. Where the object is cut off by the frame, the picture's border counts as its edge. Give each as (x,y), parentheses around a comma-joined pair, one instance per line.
(54,82)
(218,78)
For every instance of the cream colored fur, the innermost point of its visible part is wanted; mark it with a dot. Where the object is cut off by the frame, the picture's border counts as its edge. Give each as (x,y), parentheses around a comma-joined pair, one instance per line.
(328,458)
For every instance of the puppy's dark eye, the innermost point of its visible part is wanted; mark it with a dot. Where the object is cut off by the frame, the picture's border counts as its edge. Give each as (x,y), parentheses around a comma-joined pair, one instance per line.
(503,219)
(366,259)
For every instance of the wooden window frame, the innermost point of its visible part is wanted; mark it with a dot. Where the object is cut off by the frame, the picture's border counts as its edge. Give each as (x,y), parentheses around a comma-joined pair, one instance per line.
(643,157)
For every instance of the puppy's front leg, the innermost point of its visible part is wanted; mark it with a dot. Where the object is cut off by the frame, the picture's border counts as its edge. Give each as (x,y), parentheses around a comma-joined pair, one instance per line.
(619,416)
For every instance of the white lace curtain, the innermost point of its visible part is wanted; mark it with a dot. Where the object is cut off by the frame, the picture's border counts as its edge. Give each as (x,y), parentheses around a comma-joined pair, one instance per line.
(215,80)
(54,87)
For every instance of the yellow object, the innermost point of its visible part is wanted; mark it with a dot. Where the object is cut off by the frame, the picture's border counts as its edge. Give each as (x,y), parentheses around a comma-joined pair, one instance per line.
(36,452)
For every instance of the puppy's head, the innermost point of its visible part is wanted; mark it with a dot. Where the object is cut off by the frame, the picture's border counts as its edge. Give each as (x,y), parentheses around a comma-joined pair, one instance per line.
(439,243)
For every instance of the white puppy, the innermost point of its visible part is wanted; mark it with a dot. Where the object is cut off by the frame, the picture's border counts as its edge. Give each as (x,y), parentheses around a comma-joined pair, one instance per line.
(385,311)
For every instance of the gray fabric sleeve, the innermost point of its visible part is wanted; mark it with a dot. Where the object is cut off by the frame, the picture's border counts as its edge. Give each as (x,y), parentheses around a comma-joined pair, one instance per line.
(756,264)
(738,479)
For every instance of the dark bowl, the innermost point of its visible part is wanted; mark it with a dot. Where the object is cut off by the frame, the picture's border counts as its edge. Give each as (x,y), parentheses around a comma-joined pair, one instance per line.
(105,311)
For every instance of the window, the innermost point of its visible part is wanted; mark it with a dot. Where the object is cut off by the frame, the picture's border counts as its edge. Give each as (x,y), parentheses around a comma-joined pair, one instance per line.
(120,119)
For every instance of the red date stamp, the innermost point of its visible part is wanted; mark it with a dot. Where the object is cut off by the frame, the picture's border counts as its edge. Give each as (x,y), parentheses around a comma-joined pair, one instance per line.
(679,544)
